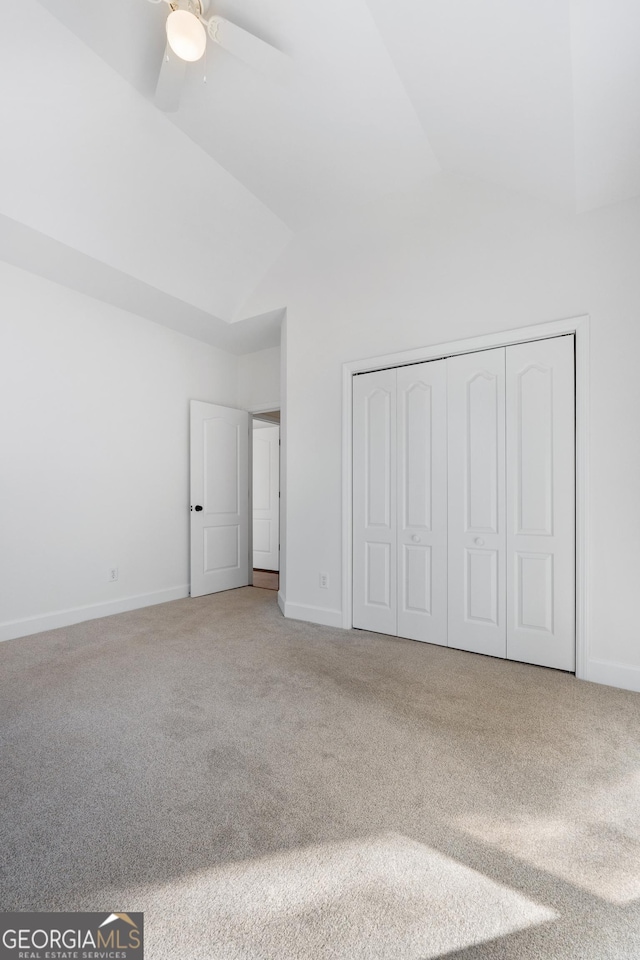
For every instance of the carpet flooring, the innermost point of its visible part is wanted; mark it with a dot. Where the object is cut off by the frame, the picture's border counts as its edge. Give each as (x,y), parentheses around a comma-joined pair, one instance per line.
(265,789)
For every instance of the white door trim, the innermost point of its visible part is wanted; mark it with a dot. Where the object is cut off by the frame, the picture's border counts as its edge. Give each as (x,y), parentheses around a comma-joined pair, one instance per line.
(555,328)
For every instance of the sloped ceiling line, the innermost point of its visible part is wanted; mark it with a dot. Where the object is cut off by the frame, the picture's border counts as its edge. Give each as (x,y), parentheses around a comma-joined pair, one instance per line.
(539,97)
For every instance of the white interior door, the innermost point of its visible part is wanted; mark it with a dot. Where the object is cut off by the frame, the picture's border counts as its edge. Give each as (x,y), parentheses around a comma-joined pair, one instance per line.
(541,503)
(374,502)
(422,501)
(477,536)
(219,498)
(266,496)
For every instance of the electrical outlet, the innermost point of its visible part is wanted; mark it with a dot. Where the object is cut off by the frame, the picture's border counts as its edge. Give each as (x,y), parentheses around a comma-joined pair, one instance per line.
(113,574)
(324,581)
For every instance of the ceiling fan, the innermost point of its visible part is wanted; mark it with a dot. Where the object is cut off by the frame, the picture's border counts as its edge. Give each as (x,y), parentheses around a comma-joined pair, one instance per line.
(187,30)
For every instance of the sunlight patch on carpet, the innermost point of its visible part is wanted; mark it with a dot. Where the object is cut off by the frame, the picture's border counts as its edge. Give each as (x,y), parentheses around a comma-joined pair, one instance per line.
(384,897)
(594,845)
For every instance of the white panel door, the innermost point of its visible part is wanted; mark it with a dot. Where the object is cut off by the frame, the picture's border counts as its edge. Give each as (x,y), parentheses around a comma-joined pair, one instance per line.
(219,498)
(477,537)
(374,502)
(541,503)
(422,501)
(266,497)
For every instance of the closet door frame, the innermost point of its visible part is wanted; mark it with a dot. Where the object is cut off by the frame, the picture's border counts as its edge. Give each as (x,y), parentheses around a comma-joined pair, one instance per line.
(579,326)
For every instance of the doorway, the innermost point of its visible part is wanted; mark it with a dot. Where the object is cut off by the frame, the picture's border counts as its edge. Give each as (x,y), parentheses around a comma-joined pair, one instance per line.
(265,500)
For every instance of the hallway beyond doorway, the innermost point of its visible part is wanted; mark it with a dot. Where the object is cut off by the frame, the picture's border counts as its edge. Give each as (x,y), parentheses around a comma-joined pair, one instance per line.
(267,579)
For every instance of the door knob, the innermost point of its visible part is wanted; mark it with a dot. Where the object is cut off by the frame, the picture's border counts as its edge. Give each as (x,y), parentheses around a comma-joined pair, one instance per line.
(415,538)
(198,508)
(479,542)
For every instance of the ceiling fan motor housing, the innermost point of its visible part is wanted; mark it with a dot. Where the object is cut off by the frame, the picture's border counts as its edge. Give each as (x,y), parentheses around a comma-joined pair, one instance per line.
(197,7)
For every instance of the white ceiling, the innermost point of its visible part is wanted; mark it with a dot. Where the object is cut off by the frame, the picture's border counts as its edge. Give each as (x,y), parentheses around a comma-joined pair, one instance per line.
(191,210)
(491,83)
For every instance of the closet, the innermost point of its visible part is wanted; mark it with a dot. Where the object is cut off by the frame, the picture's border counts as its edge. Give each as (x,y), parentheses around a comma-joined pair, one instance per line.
(464,502)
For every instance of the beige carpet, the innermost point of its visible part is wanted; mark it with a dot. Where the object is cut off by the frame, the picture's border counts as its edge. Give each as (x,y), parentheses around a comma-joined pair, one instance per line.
(272,790)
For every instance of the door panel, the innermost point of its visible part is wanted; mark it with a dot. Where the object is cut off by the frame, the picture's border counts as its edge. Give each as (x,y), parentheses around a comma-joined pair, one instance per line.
(379,446)
(221,548)
(483,431)
(418,585)
(476,509)
(531,423)
(422,501)
(533,593)
(541,502)
(374,502)
(220,485)
(481,587)
(378,575)
(221,464)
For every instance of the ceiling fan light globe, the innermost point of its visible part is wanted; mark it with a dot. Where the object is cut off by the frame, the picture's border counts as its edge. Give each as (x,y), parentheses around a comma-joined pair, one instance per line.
(186,35)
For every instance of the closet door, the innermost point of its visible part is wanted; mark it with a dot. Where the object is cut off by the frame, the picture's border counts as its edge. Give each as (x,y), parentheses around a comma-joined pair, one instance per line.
(422,501)
(477,536)
(541,503)
(374,502)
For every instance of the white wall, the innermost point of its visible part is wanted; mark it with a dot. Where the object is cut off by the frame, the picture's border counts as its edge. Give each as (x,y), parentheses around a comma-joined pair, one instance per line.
(451,261)
(259,380)
(94,453)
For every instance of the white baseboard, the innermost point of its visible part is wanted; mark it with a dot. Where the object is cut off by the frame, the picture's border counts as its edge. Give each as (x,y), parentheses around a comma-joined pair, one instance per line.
(321,615)
(607,672)
(614,674)
(65,618)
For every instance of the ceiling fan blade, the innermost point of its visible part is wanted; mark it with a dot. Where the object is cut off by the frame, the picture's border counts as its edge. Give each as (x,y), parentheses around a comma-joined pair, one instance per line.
(170,81)
(248,48)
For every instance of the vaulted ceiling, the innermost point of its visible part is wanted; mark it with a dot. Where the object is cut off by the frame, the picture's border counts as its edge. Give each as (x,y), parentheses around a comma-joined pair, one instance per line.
(179,216)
